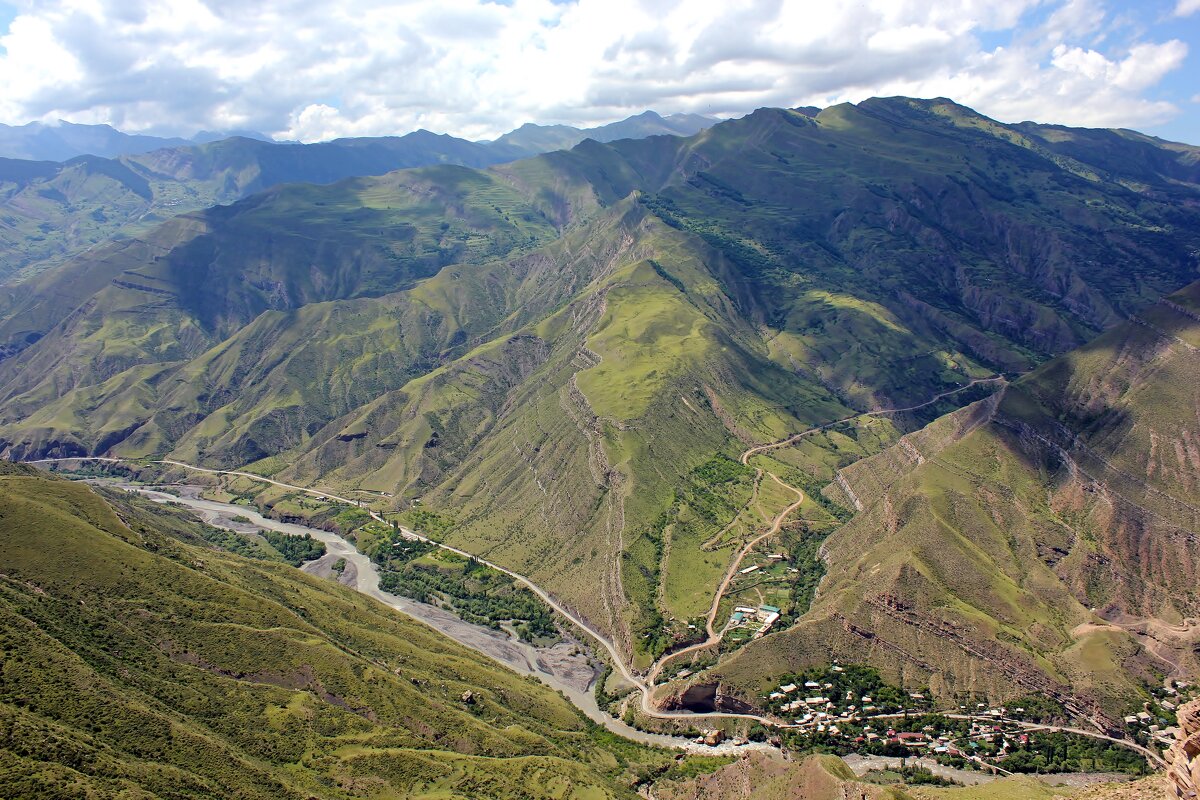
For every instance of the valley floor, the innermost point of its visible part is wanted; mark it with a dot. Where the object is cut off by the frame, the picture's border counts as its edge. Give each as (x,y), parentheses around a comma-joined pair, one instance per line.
(563,667)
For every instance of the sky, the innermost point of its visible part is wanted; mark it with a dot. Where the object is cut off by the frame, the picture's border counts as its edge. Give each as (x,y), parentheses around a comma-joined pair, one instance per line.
(304,70)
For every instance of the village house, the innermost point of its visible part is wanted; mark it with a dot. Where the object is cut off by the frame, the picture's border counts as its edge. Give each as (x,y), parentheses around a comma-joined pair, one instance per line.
(767,611)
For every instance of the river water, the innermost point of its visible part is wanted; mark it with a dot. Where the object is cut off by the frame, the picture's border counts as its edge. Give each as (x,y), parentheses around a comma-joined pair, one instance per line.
(561,667)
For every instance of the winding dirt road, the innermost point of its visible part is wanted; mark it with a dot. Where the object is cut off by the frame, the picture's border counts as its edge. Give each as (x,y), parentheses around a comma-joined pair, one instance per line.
(715,636)
(645,686)
(762,448)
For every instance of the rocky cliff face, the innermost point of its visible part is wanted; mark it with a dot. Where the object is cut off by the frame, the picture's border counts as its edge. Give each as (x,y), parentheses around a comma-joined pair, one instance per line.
(1184,756)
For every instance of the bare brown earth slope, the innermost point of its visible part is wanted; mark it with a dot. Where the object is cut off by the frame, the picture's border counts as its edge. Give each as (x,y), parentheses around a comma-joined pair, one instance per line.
(1043,541)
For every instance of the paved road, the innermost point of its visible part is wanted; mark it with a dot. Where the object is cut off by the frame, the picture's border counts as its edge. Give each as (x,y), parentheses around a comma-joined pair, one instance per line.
(644,686)
(1154,757)
(618,661)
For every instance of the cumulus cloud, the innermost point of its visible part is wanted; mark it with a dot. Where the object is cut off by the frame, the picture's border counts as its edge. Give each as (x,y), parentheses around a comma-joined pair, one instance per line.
(1144,66)
(313,71)
(1185,8)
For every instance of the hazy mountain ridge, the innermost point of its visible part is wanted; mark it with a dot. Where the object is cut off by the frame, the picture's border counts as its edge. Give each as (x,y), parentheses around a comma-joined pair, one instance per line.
(531,139)
(49,213)
(614,316)
(63,141)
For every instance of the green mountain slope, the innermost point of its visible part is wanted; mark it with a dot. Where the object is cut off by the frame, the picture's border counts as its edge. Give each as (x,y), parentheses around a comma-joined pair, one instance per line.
(1043,541)
(560,354)
(140,662)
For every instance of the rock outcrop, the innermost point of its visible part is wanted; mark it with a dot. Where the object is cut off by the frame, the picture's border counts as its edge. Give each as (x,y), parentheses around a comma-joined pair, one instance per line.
(1183,758)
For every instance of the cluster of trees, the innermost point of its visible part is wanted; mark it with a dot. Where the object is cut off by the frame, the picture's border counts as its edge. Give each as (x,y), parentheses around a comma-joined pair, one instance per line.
(234,542)
(923,776)
(1037,708)
(650,634)
(803,548)
(704,493)
(1064,752)
(295,549)
(475,592)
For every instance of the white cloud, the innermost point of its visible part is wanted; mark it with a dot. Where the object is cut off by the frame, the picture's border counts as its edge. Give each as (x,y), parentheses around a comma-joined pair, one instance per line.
(1144,66)
(910,38)
(367,67)
(1185,8)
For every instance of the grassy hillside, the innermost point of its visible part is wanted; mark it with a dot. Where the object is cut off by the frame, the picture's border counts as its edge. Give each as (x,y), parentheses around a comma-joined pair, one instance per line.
(548,352)
(138,661)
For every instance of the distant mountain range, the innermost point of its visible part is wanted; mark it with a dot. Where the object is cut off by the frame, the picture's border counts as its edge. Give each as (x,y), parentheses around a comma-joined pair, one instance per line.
(63,141)
(563,358)
(50,210)
(531,139)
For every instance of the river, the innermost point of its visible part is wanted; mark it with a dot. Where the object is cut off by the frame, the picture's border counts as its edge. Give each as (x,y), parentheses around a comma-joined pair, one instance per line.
(561,667)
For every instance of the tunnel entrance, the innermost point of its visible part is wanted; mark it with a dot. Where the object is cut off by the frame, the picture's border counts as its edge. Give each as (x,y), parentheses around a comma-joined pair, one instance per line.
(704,698)
(699,699)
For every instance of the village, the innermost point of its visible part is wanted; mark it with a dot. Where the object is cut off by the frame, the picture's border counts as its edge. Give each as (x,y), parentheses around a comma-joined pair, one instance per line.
(845,709)
(1156,723)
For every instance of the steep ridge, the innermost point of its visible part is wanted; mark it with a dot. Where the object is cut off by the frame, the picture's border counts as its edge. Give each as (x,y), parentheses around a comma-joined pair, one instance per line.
(1042,541)
(141,661)
(203,277)
(561,369)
